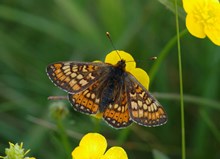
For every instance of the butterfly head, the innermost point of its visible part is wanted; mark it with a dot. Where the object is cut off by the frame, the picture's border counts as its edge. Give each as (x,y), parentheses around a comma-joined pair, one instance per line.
(121,64)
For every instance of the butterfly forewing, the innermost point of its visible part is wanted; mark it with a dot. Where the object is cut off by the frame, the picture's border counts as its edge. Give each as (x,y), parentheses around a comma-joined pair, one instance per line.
(144,108)
(74,77)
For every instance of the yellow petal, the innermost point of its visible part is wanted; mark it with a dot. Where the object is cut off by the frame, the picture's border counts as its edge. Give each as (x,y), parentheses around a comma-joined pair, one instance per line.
(213,1)
(212,29)
(194,27)
(188,5)
(191,5)
(92,145)
(115,153)
(214,34)
(80,153)
(98,115)
(141,76)
(115,56)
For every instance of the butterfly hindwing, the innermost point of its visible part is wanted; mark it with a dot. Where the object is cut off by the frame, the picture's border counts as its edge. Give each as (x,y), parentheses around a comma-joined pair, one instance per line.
(144,108)
(74,77)
(116,113)
(91,100)
(86,101)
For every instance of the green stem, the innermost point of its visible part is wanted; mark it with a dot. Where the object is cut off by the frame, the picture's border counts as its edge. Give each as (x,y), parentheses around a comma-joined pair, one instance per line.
(181,84)
(64,138)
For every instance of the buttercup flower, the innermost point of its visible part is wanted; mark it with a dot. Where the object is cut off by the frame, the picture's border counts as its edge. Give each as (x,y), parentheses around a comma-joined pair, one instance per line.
(16,152)
(93,146)
(115,56)
(203,18)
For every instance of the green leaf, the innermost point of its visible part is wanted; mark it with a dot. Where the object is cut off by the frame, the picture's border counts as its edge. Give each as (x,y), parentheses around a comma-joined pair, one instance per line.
(159,155)
(170,5)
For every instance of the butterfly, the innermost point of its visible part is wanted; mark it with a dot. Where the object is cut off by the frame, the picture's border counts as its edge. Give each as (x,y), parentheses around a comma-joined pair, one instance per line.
(97,87)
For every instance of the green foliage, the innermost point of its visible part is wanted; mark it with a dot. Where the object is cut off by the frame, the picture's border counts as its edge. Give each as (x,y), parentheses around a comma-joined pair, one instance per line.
(36,33)
(16,151)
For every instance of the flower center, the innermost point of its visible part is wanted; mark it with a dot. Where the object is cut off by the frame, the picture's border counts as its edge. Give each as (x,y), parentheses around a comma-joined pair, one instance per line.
(205,13)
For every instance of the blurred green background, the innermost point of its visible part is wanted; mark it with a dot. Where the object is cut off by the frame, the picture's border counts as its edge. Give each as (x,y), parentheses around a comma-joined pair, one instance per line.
(35,33)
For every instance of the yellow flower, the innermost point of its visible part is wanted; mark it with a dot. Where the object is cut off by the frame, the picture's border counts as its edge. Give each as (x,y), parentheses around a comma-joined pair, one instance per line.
(203,18)
(115,56)
(93,146)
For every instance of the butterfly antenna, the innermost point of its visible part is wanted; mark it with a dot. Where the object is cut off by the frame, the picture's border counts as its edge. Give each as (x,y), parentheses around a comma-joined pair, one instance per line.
(129,61)
(110,39)
(153,58)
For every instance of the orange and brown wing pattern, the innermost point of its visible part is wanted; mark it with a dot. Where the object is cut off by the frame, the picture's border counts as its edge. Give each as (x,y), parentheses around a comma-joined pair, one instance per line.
(74,77)
(116,114)
(144,108)
(86,101)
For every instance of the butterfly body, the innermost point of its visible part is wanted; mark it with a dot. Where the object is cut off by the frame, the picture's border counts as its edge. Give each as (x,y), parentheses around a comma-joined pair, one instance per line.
(114,80)
(96,87)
